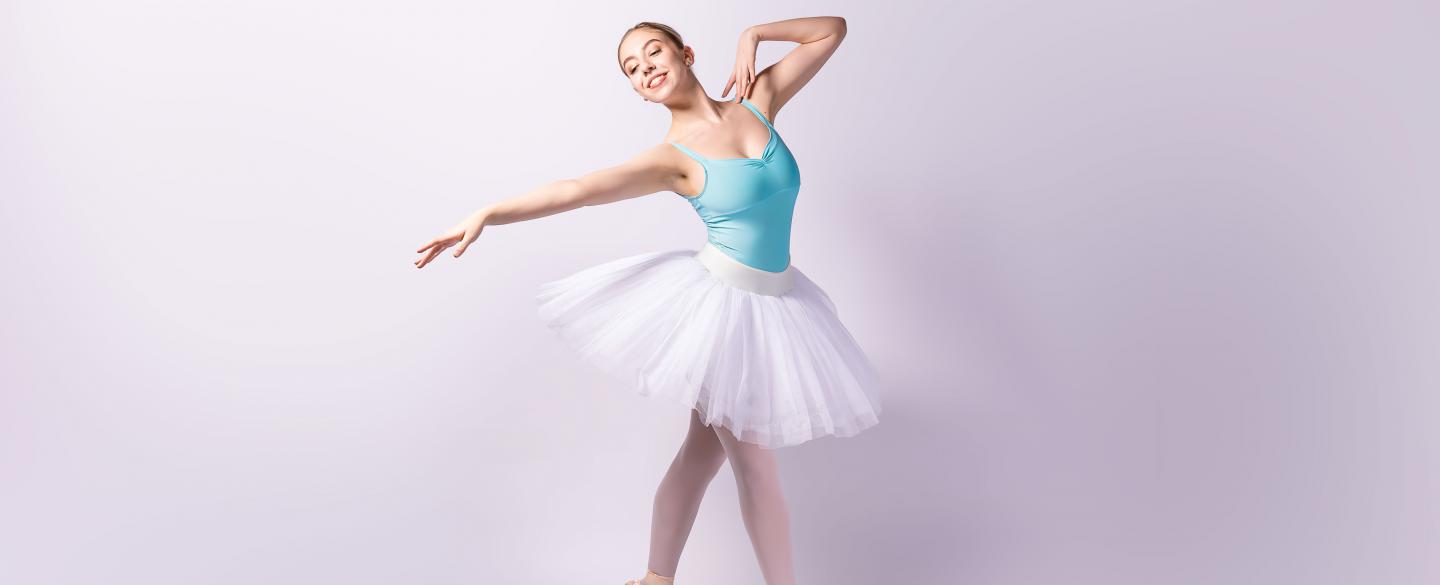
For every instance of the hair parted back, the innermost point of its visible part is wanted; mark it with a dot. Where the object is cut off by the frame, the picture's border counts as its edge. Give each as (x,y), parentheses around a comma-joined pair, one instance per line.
(670,33)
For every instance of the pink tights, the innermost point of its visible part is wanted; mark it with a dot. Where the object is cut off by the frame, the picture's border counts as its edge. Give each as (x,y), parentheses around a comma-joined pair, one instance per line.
(762,504)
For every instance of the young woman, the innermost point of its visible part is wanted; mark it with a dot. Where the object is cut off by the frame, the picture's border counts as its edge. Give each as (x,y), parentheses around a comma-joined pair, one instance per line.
(734,332)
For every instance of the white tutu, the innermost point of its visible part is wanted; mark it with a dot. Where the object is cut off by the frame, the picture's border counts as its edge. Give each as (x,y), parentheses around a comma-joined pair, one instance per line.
(774,369)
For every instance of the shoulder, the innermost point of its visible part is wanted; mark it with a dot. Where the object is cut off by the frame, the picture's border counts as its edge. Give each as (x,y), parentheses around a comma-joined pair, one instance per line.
(666,159)
(657,153)
(660,160)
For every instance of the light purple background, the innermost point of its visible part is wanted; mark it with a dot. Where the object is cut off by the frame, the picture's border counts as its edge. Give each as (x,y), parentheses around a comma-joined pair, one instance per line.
(1152,285)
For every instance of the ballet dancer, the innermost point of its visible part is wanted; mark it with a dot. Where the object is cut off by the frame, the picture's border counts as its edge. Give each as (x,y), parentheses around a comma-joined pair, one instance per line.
(733,331)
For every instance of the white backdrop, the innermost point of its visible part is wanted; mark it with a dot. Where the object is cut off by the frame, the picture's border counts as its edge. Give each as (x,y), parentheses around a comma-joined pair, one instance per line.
(1152,285)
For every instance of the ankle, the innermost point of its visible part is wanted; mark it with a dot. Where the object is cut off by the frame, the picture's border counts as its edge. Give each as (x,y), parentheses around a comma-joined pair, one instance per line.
(653,578)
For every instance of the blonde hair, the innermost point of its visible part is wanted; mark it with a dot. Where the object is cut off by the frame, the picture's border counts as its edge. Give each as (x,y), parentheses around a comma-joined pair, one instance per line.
(671,33)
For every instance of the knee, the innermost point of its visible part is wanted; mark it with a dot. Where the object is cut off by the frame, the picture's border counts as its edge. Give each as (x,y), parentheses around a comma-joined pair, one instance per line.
(702,456)
(752,481)
(754,468)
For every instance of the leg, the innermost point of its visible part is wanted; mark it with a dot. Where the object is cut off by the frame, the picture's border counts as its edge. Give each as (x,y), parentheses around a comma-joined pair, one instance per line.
(677,500)
(762,505)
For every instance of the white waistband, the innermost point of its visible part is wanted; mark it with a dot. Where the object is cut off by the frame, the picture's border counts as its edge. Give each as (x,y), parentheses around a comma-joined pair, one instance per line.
(746,277)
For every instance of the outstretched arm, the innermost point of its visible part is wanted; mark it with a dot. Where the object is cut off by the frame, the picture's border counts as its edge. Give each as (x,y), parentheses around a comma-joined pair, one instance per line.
(648,172)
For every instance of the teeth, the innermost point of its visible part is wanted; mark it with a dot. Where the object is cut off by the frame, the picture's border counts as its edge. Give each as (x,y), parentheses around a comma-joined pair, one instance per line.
(656,81)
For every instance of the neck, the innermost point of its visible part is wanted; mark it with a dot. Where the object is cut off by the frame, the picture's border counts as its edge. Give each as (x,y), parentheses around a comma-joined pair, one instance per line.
(693,107)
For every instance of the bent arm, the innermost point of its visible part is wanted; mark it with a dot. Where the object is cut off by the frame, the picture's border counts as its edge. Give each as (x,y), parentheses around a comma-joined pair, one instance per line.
(819,37)
(646,173)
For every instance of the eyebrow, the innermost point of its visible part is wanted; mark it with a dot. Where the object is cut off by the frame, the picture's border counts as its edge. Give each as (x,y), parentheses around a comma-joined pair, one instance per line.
(642,48)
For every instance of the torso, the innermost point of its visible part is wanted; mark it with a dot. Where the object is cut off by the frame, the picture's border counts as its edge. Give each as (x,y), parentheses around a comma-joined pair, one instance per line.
(747,203)
(746,138)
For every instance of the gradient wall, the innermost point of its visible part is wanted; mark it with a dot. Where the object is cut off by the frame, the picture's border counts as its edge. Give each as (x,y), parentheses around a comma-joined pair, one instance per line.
(1152,283)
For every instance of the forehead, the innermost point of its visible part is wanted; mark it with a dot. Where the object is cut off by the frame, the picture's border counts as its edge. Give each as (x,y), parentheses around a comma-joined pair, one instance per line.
(636,42)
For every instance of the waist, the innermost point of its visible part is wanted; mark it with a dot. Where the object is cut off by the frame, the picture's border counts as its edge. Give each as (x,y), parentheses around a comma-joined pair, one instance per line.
(742,276)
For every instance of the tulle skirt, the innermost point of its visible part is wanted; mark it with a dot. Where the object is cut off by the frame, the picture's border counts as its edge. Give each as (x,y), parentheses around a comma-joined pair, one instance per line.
(762,354)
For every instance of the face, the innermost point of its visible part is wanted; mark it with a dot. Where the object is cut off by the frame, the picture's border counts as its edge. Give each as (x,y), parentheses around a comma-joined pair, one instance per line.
(652,64)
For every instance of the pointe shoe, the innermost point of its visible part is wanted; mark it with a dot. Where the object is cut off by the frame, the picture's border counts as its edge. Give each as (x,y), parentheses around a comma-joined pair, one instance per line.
(662,580)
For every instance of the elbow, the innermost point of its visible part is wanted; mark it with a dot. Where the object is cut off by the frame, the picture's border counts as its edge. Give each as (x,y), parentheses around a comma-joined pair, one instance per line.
(572,193)
(840,27)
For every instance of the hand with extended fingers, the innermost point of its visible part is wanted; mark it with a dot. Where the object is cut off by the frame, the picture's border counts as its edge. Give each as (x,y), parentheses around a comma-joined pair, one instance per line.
(744,74)
(463,233)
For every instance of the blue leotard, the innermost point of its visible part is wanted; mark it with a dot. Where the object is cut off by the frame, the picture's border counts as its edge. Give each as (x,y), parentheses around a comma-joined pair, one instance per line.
(748,204)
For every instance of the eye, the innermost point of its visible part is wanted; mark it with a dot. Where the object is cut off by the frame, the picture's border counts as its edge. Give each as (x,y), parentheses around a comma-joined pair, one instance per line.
(632,69)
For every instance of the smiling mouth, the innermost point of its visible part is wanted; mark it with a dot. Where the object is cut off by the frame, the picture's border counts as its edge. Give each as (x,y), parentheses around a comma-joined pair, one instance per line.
(654,83)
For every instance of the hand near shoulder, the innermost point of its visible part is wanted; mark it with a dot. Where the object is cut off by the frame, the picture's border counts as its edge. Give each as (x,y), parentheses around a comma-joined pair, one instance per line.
(463,233)
(744,65)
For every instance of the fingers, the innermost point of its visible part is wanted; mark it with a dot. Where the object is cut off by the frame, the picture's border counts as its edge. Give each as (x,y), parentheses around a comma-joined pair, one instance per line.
(438,245)
(437,241)
(745,76)
(426,260)
(747,83)
(435,247)
(431,255)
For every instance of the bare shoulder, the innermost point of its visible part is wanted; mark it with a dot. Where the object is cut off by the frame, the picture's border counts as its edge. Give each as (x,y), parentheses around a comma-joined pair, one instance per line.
(658,158)
(667,159)
(658,154)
